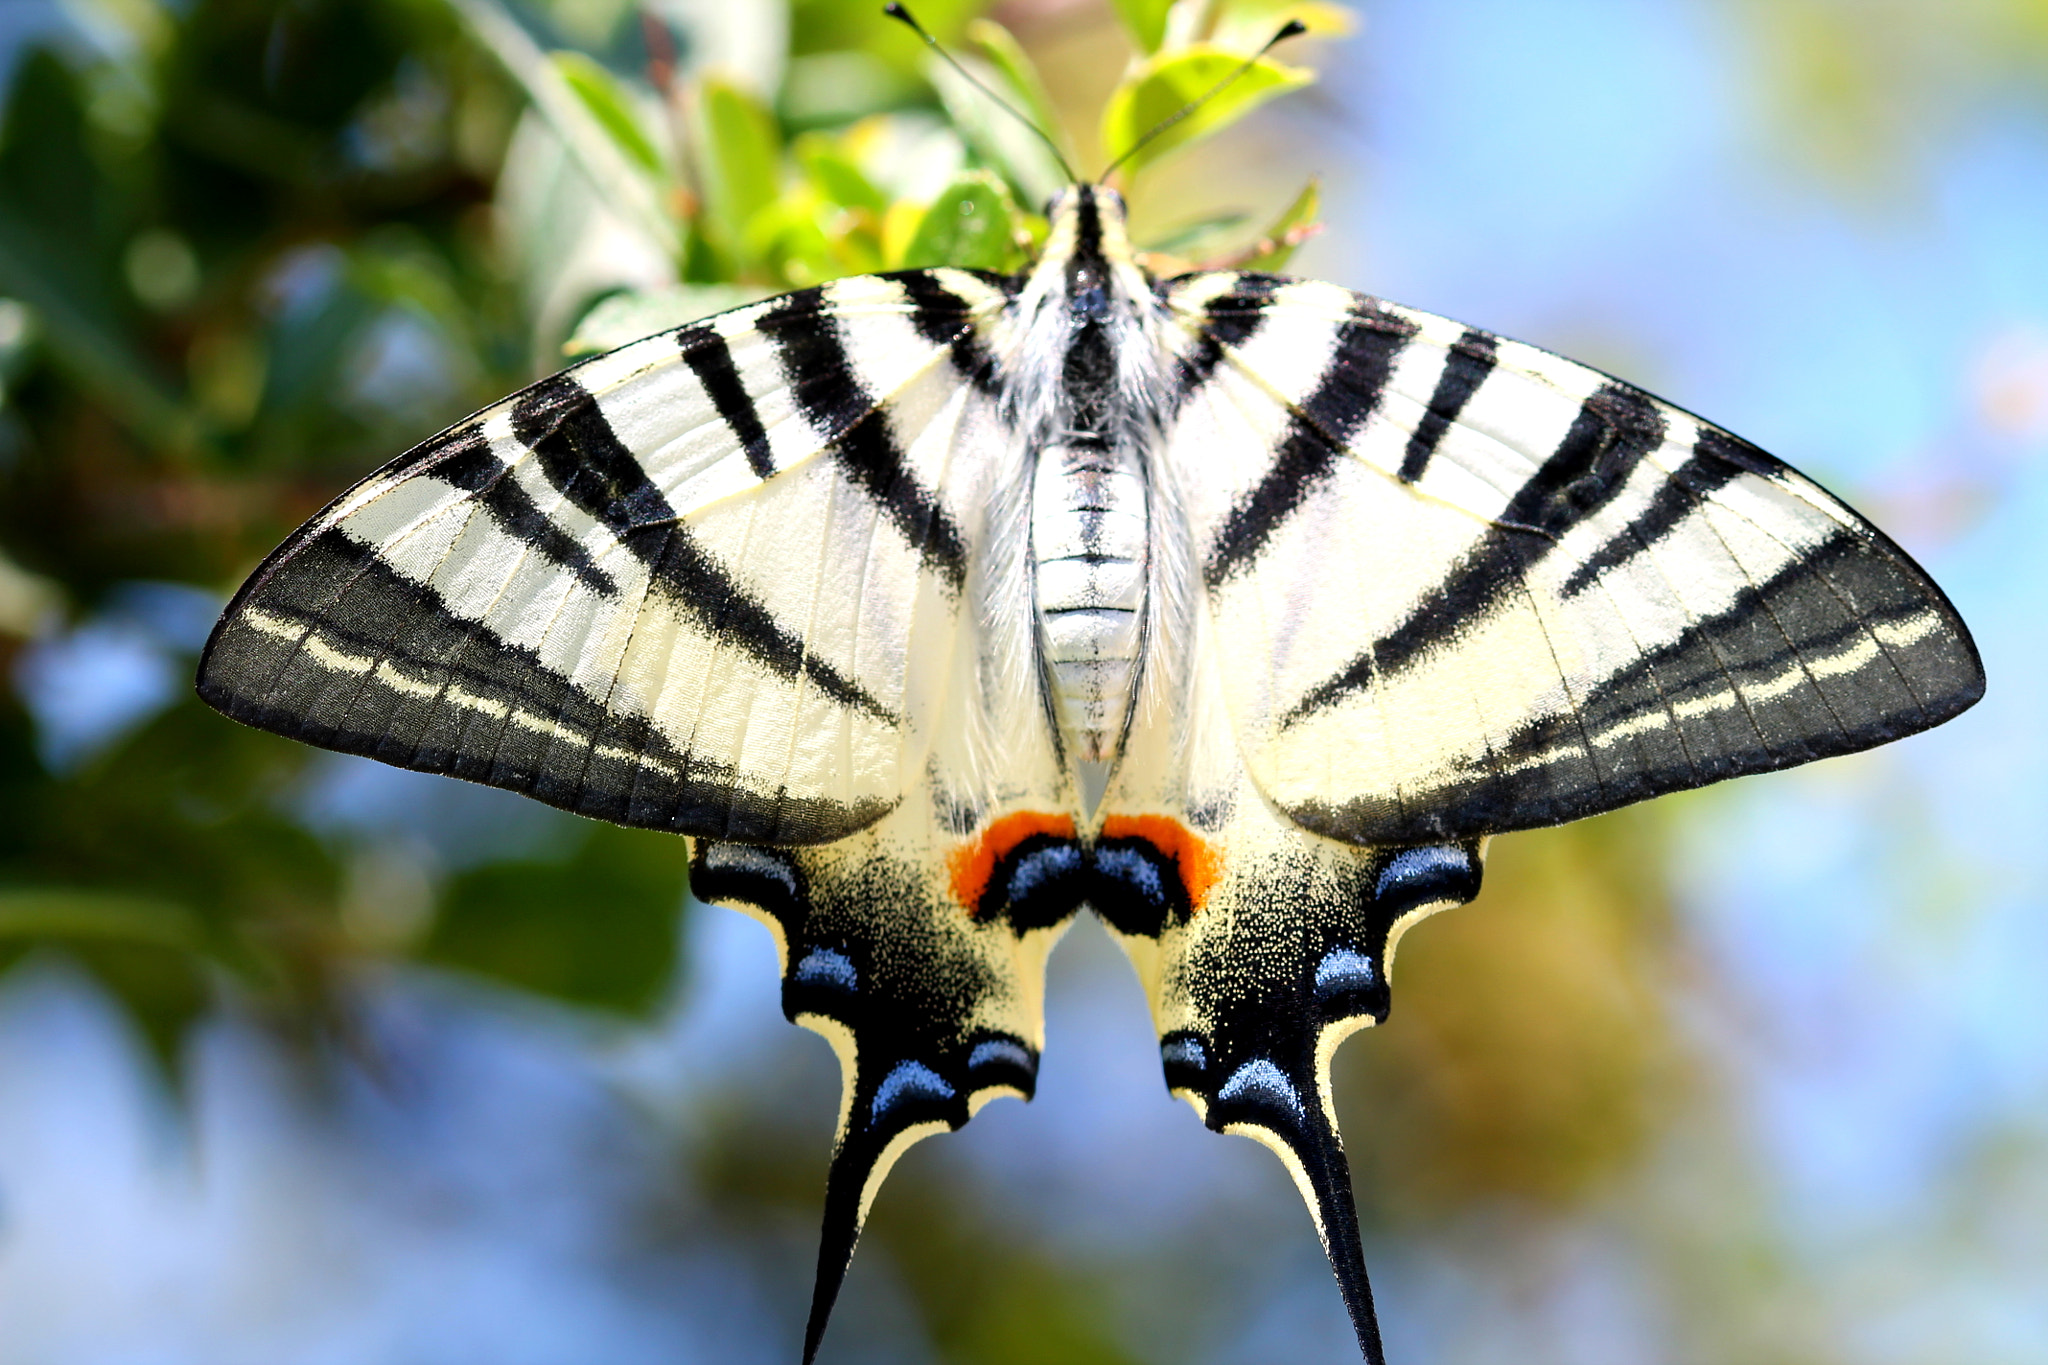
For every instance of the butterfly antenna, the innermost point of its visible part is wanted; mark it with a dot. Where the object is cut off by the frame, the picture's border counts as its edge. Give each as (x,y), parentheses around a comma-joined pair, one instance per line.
(1293,28)
(897,12)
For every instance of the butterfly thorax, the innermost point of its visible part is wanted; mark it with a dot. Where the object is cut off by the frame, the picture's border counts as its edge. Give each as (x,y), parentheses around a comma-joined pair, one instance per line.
(1083,383)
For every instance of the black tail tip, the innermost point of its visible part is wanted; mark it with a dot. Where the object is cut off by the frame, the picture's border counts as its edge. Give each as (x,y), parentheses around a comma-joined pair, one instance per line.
(824,1293)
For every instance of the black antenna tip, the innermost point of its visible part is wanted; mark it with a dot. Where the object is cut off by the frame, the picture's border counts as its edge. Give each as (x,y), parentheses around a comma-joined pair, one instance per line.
(904,16)
(1293,28)
(896,11)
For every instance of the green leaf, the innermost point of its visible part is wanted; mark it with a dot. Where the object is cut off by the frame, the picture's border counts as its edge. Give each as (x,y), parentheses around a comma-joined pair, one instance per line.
(1200,236)
(1277,246)
(855,25)
(624,191)
(92,346)
(621,318)
(611,105)
(836,177)
(972,224)
(163,992)
(85,913)
(1146,19)
(1245,25)
(806,239)
(1015,66)
(1000,140)
(64,227)
(739,156)
(1168,83)
(598,929)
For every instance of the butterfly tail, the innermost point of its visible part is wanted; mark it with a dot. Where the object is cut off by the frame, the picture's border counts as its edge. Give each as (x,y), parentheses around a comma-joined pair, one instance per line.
(1280,1107)
(931,1011)
(859,1162)
(835,1248)
(1283,951)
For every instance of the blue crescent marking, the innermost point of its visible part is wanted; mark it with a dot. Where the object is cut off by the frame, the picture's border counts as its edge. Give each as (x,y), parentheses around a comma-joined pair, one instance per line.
(910,1080)
(825,967)
(1261,1079)
(1344,969)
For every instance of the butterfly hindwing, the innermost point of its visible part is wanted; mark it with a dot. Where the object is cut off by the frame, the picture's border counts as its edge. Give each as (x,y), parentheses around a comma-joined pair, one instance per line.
(701,584)
(902,947)
(1274,945)
(1475,587)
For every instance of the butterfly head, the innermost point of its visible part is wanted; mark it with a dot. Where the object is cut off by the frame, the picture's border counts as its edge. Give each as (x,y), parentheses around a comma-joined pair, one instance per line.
(1090,250)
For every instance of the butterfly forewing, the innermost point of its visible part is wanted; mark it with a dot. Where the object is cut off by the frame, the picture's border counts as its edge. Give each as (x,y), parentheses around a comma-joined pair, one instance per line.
(698,584)
(1472,587)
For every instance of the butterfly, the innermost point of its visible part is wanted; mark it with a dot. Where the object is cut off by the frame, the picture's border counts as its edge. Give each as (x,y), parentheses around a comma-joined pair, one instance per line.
(935,606)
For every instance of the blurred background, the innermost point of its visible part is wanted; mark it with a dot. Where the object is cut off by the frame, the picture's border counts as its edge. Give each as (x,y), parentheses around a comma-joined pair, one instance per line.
(307,1061)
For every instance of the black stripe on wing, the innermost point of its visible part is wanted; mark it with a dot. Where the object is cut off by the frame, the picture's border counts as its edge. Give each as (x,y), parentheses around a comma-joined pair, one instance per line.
(1319,430)
(1847,647)
(462,458)
(831,396)
(1717,460)
(1615,428)
(1471,359)
(572,441)
(330,645)
(710,359)
(1228,320)
(945,319)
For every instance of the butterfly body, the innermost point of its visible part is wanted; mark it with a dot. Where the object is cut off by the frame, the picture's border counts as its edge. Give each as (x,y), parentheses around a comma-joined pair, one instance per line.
(1083,382)
(1089,528)
(938,606)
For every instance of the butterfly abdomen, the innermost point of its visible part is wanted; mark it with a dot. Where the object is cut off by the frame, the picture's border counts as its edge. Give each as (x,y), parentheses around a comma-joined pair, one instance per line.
(1084,390)
(1088,531)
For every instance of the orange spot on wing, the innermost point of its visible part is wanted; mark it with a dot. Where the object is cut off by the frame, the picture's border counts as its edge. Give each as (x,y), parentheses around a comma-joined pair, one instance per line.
(972,863)
(1199,861)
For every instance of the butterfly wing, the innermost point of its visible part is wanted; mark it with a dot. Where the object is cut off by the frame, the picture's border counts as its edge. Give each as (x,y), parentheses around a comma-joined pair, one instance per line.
(1275,944)
(708,583)
(731,582)
(1472,587)
(1454,586)
(899,946)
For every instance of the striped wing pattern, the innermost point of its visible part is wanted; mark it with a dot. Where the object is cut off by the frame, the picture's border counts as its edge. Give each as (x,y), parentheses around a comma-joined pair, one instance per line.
(1471,587)
(768,580)
(704,584)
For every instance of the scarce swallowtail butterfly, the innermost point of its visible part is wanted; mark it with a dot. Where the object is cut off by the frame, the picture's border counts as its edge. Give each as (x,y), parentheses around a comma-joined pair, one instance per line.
(934,606)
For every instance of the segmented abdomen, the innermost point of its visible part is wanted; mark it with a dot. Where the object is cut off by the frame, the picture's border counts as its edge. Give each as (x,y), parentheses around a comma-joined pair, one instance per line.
(1088,529)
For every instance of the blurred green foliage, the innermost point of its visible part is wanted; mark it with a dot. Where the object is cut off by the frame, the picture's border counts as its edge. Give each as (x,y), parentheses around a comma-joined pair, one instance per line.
(1529,1055)
(1169,82)
(218,234)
